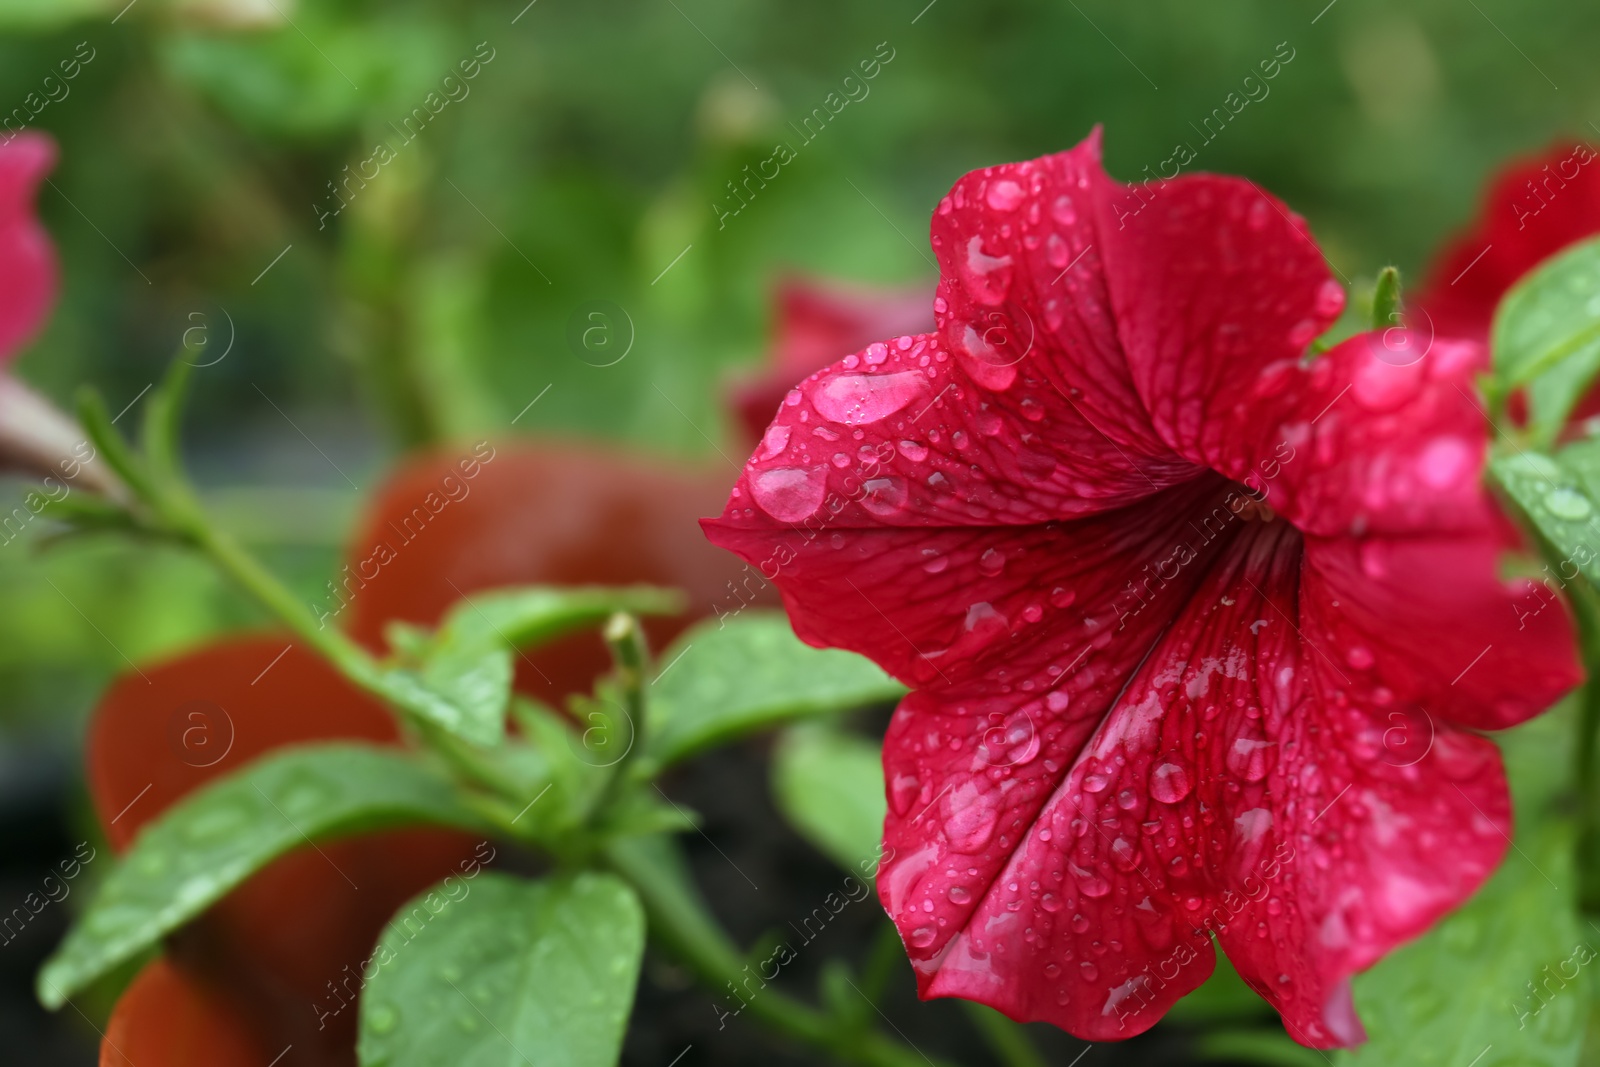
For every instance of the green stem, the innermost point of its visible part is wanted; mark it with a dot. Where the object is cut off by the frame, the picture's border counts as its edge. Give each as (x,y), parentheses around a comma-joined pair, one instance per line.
(681,925)
(232,558)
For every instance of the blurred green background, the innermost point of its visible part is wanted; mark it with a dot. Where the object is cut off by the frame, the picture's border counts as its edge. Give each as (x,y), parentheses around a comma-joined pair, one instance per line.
(581,164)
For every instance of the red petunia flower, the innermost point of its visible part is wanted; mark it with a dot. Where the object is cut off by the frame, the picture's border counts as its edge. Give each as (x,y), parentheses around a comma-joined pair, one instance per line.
(816,324)
(1198,631)
(28,276)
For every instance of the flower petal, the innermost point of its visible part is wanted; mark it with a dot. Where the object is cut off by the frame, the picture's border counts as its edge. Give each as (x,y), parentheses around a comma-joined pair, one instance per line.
(28,272)
(1376,604)
(901,435)
(1023,295)
(1203,803)
(942,607)
(1215,283)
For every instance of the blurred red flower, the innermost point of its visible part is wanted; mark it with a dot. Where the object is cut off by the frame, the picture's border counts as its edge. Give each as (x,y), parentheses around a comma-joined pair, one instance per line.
(1199,632)
(28,276)
(817,323)
(1532,209)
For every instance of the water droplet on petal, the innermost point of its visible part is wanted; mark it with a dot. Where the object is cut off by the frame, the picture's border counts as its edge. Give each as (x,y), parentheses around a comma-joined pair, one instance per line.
(1169,783)
(1330,299)
(884,496)
(775,440)
(972,821)
(788,494)
(1005,195)
(857,399)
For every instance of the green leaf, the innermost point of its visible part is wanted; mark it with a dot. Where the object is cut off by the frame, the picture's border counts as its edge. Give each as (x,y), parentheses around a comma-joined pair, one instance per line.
(460,679)
(1466,985)
(1546,336)
(215,839)
(505,971)
(829,785)
(728,677)
(1554,493)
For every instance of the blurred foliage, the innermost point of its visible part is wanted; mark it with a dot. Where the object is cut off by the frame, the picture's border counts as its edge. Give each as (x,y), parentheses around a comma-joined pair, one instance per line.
(580,165)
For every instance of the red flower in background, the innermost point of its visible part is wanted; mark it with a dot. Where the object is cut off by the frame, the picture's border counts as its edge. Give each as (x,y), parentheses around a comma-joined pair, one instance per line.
(816,324)
(1198,631)
(28,276)
(1533,209)
(272,964)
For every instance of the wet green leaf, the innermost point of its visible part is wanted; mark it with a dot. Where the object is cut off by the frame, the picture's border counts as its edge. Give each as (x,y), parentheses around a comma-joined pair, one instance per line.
(1546,337)
(216,838)
(499,970)
(728,677)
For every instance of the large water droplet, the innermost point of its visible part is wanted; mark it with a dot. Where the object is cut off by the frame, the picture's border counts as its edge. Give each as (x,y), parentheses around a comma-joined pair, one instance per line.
(884,496)
(986,277)
(857,399)
(971,824)
(788,494)
(1250,759)
(775,440)
(1565,504)
(1169,783)
(1005,195)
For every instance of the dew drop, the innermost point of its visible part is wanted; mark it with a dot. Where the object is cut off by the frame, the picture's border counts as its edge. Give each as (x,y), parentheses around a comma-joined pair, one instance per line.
(857,399)
(788,494)
(884,496)
(1005,195)
(1565,504)
(1169,783)
(382,1019)
(1330,299)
